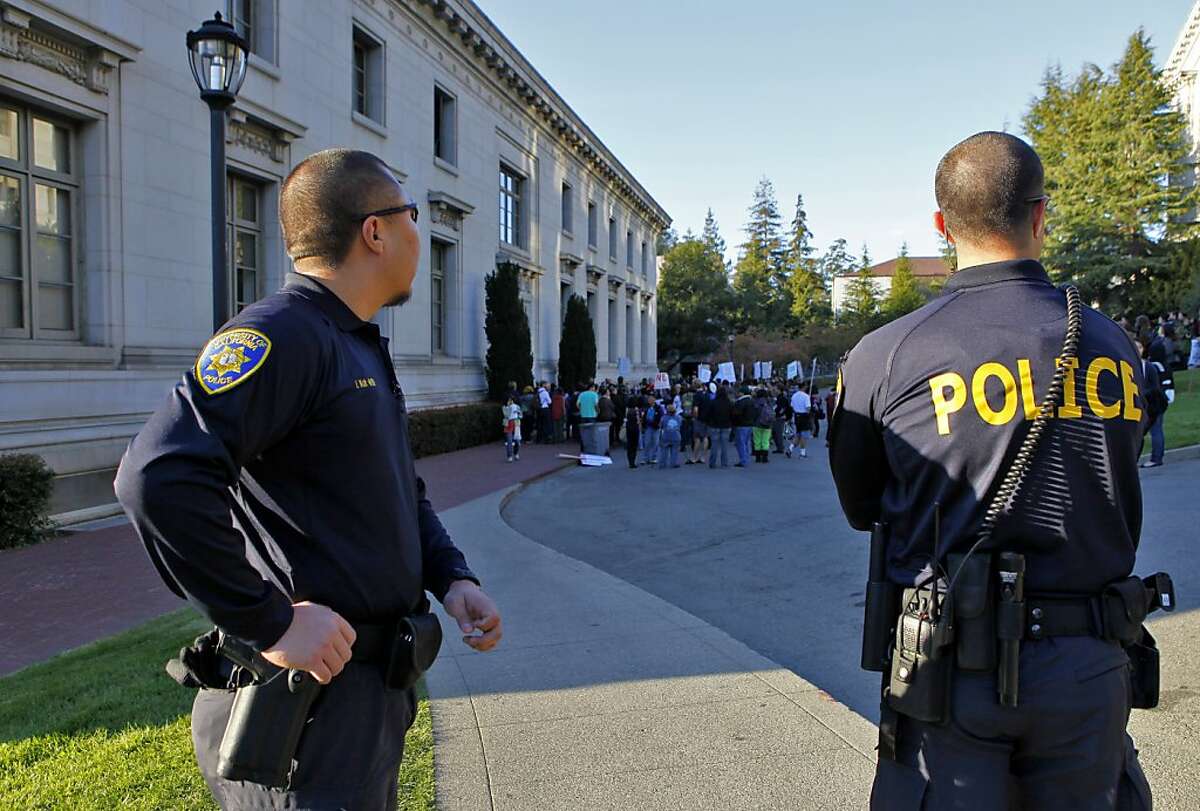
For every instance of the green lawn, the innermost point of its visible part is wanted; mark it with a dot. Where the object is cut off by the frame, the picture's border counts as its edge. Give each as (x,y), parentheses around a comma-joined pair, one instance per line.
(1182,426)
(105,727)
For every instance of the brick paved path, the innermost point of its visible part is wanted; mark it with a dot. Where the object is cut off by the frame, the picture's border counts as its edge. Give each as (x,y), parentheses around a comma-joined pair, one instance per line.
(88,585)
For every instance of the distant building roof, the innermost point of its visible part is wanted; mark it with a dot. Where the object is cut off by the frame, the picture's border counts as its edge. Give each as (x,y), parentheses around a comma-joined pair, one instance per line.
(922,267)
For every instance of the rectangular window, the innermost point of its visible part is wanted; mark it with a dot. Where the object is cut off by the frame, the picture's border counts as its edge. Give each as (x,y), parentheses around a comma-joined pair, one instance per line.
(629,332)
(510,207)
(629,249)
(645,257)
(445,126)
(568,209)
(612,238)
(593,228)
(613,350)
(244,214)
(255,21)
(439,264)
(367,76)
(39,185)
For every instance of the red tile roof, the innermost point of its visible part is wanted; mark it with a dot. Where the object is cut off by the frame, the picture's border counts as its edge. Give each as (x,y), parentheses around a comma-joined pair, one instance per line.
(922,267)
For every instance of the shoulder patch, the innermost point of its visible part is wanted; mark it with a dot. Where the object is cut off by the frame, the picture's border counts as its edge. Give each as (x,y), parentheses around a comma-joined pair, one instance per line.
(230,358)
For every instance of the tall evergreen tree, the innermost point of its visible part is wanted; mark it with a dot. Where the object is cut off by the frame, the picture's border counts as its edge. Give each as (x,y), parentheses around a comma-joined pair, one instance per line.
(862,295)
(510,351)
(905,295)
(837,261)
(711,236)
(1110,143)
(808,296)
(577,345)
(759,278)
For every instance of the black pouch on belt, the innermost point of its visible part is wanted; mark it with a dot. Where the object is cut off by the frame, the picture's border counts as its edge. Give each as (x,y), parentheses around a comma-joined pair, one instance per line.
(1143,675)
(1123,604)
(974,612)
(922,657)
(414,649)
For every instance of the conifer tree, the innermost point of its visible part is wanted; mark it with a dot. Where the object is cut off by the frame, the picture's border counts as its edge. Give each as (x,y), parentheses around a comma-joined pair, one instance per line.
(577,345)
(1110,143)
(808,297)
(759,278)
(905,295)
(711,235)
(510,352)
(862,295)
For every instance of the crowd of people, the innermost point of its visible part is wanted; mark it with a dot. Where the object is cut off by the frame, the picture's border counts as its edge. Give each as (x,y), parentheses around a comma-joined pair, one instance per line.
(1167,345)
(692,423)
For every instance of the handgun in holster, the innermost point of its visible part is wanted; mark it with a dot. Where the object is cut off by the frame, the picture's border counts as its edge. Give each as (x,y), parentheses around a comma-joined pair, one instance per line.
(267,718)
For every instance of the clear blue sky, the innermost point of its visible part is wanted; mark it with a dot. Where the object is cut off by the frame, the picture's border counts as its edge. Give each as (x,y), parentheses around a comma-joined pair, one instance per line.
(849,103)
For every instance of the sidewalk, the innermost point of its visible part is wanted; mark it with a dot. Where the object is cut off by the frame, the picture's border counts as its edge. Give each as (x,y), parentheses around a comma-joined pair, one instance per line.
(88,585)
(604,696)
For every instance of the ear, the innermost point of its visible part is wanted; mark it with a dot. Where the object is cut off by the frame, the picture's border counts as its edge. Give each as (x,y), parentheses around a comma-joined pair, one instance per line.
(939,224)
(1039,219)
(371,235)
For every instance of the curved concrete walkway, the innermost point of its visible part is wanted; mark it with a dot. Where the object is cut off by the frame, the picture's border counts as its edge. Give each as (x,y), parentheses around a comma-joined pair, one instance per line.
(604,696)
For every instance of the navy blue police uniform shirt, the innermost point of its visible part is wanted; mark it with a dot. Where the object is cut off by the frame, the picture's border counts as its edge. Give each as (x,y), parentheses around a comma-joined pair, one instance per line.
(933,407)
(279,470)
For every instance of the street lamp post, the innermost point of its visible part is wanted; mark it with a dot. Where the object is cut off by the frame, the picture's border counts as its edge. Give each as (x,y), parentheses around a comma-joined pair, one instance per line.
(217,54)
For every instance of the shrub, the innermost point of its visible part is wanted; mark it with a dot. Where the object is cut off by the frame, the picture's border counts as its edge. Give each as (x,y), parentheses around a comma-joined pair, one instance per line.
(510,350)
(25,484)
(441,430)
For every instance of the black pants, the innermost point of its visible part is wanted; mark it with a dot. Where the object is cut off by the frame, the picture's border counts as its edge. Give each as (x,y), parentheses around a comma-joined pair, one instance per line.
(349,756)
(632,435)
(1063,746)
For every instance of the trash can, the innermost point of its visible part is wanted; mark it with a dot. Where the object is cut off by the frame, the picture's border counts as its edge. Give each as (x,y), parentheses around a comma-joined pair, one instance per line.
(595,437)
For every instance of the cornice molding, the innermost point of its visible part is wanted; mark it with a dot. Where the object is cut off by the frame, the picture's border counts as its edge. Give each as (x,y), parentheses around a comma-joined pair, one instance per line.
(24,41)
(482,41)
(1187,36)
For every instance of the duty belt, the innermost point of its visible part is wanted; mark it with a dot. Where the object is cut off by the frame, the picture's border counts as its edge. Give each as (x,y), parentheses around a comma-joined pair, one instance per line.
(1114,614)
(1049,615)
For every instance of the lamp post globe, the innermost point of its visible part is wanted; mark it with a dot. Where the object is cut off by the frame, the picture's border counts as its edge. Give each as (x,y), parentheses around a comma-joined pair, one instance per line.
(217,56)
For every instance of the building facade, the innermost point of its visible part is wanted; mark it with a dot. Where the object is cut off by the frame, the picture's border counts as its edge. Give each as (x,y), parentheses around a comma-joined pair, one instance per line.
(927,270)
(105,223)
(1180,72)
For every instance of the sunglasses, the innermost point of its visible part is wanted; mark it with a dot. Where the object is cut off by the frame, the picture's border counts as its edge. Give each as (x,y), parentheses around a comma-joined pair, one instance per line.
(383,212)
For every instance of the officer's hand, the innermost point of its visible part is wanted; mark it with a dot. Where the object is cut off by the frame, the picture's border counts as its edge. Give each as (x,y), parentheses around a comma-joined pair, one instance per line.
(474,611)
(318,641)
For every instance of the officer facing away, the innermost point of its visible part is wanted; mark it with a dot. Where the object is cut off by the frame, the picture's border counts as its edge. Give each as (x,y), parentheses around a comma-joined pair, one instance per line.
(275,490)
(931,412)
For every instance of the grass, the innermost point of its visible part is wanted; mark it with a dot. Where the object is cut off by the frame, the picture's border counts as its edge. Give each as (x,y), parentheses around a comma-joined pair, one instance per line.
(1182,421)
(104,727)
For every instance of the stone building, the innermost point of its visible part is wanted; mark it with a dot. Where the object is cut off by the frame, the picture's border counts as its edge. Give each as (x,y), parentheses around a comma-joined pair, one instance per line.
(1180,72)
(105,224)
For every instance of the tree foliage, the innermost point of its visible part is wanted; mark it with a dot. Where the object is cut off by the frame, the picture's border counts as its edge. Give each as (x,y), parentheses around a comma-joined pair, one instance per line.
(510,350)
(577,344)
(862,295)
(808,295)
(760,276)
(695,303)
(1110,143)
(905,294)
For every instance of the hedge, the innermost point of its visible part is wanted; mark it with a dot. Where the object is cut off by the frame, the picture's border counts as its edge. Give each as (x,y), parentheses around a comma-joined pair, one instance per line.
(25,485)
(441,430)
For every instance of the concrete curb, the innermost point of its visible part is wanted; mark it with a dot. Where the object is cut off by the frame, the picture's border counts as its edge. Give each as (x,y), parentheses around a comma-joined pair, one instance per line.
(466,766)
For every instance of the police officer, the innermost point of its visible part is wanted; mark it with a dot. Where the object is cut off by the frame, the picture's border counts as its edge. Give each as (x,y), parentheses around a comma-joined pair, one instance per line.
(275,489)
(931,410)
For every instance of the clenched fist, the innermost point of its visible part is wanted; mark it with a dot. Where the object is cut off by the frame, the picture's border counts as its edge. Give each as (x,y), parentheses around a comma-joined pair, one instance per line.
(318,642)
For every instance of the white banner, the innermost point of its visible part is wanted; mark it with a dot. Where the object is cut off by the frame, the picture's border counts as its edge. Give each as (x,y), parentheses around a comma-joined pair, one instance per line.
(767,368)
(758,365)
(725,371)
(704,373)
(624,367)
(793,370)
(662,381)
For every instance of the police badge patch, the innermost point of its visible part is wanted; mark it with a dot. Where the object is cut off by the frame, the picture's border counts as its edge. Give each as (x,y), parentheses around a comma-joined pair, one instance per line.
(230,358)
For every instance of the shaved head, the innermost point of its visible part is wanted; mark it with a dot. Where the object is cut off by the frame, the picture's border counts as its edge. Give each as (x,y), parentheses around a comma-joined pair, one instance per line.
(984,186)
(323,200)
